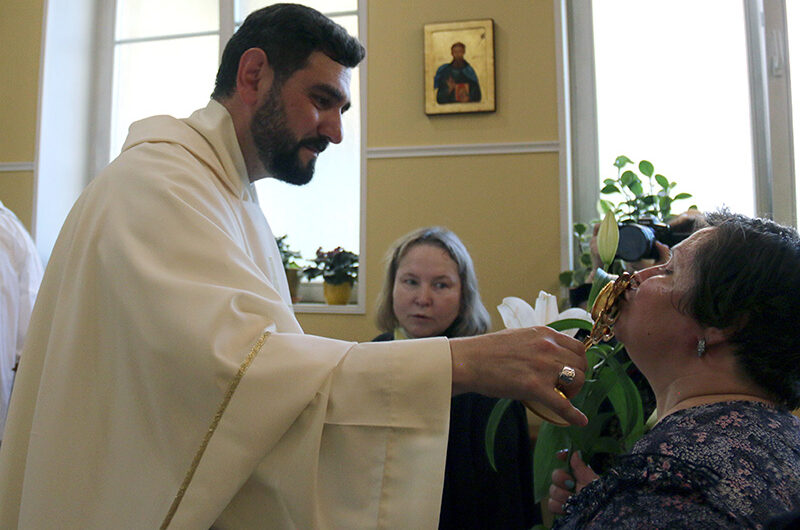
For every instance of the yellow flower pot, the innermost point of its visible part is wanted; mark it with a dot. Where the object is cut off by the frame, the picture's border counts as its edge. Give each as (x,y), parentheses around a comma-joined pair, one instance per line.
(293,277)
(337,294)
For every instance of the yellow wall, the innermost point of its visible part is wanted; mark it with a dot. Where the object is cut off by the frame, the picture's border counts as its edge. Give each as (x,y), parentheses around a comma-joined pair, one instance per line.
(524,63)
(20,39)
(504,207)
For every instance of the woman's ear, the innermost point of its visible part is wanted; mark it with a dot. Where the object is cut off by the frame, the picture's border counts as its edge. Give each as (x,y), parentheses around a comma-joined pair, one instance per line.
(254,76)
(716,336)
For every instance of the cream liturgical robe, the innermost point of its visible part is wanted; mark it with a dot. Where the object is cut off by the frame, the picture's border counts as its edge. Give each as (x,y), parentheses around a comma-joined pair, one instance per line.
(20,275)
(166,382)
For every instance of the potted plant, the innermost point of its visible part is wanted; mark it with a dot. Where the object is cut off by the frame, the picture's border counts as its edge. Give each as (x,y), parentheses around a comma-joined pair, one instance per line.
(615,398)
(640,197)
(339,271)
(291,267)
(609,397)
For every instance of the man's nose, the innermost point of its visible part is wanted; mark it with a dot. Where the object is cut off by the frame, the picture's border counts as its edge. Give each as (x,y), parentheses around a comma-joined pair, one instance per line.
(331,126)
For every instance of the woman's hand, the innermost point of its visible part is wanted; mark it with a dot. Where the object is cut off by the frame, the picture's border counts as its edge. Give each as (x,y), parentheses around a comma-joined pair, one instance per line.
(565,484)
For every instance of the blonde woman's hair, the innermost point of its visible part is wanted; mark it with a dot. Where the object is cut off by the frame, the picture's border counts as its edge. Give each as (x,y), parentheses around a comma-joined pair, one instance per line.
(473,318)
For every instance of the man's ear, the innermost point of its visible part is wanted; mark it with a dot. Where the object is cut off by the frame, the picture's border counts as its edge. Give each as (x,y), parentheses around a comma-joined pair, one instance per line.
(254,76)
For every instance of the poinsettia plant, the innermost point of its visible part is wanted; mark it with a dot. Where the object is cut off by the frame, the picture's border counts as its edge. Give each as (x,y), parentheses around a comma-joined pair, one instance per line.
(336,266)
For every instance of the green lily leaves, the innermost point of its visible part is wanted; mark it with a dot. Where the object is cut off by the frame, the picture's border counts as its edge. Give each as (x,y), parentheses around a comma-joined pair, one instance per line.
(609,395)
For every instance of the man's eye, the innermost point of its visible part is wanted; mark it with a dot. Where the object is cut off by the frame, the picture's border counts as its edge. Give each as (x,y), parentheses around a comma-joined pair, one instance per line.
(322,101)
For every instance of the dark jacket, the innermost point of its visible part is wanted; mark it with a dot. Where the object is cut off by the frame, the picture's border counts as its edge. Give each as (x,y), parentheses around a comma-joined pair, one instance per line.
(475,496)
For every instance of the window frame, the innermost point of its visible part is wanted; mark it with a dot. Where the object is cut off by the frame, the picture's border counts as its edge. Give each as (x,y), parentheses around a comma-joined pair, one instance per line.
(103,90)
(771,116)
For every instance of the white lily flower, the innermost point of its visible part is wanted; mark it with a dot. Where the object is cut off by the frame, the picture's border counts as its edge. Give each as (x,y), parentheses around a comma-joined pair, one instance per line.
(517,313)
(546,308)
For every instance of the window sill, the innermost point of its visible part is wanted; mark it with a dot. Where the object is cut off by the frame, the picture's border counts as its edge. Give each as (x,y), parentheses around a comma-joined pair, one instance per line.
(311,300)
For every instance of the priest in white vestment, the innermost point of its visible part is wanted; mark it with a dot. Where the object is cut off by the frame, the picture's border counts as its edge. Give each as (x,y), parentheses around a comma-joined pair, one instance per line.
(20,275)
(166,382)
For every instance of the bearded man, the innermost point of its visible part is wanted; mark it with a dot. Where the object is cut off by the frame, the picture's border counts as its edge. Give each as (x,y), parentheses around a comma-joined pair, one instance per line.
(165,381)
(456,81)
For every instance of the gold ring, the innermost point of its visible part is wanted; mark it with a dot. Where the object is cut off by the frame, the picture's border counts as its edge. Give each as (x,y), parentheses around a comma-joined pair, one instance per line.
(567,375)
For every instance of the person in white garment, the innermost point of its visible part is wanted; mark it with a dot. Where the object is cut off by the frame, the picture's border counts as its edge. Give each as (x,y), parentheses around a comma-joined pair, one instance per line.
(20,275)
(165,381)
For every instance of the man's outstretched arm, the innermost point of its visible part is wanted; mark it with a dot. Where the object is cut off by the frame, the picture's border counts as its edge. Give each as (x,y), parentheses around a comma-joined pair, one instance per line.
(521,364)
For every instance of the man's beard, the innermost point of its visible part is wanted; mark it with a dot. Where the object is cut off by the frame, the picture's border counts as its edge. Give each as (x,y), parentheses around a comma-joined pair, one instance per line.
(277,146)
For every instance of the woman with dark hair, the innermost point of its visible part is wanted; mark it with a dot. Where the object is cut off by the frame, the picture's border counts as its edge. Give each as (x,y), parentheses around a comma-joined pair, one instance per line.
(431,290)
(715,332)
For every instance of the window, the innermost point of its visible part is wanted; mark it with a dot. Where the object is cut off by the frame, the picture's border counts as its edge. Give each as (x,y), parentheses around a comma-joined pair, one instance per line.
(682,103)
(325,212)
(165,60)
(698,88)
(793,32)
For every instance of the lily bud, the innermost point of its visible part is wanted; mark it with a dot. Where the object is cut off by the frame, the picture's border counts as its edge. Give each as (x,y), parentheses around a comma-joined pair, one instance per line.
(608,239)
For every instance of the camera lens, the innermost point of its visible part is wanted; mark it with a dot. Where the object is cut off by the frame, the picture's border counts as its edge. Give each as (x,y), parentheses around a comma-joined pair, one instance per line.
(635,242)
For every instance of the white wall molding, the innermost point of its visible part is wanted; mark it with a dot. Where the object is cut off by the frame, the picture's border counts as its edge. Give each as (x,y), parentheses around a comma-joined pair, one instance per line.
(507,148)
(15,166)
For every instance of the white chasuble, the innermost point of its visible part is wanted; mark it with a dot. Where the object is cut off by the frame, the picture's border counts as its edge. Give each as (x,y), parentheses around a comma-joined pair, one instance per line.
(165,381)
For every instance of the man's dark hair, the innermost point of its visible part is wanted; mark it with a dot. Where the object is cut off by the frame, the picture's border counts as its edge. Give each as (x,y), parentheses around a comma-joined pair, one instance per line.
(747,278)
(288,34)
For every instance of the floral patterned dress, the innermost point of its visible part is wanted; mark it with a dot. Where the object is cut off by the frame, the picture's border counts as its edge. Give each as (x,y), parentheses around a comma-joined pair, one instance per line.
(724,465)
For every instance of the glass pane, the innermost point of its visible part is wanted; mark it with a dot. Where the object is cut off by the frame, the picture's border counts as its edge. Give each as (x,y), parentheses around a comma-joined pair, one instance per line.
(245,7)
(668,93)
(148,18)
(793,30)
(172,77)
(326,212)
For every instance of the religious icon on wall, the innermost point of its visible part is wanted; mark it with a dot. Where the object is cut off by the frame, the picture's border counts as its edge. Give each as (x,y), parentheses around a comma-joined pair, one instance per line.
(459,67)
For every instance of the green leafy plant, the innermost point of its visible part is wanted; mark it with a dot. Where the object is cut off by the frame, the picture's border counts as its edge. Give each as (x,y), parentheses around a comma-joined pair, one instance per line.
(637,193)
(609,398)
(580,274)
(336,266)
(637,204)
(288,256)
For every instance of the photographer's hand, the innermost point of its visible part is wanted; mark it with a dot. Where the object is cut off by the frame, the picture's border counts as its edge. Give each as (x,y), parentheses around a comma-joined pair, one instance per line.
(664,254)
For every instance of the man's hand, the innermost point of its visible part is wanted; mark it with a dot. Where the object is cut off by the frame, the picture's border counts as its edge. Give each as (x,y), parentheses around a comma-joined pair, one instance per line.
(521,364)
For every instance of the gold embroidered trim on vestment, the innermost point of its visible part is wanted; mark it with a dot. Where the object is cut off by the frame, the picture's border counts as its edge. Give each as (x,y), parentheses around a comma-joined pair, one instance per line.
(213,427)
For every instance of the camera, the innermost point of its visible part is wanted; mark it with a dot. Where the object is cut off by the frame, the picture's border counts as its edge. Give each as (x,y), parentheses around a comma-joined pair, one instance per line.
(637,240)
